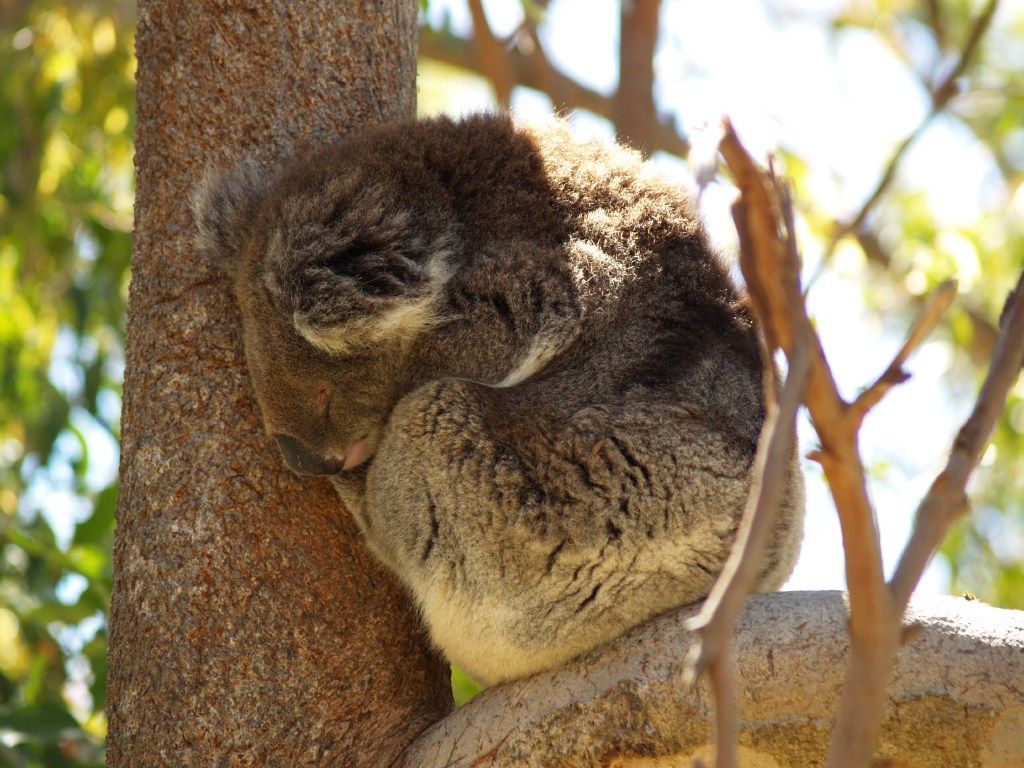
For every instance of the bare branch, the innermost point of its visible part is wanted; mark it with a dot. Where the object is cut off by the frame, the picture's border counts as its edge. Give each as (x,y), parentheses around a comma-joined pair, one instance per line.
(882,185)
(933,311)
(723,685)
(876,609)
(860,710)
(946,500)
(769,263)
(634,113)
(941,94)
(937,22)
(490,52)
(947,88)
(983,334)
(566,93)
(739,576)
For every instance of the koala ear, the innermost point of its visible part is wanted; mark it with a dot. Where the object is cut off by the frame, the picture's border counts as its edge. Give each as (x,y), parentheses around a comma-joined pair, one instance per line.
(224,204)
(367,291)
(375,269)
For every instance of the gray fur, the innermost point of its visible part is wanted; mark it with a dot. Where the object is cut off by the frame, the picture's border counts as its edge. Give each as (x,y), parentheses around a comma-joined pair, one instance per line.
(554,385)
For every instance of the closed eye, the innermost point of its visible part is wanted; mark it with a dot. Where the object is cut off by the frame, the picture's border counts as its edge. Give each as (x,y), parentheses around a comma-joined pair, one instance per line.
(322,399)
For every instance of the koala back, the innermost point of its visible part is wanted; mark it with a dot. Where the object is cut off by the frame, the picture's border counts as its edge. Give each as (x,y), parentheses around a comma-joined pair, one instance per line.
(518,359)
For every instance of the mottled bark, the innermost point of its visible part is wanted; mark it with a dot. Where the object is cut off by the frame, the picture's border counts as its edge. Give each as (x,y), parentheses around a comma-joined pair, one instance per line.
(249,624)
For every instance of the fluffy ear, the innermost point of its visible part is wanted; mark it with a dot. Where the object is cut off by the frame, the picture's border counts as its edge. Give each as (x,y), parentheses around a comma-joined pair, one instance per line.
(366,292)
(224,204)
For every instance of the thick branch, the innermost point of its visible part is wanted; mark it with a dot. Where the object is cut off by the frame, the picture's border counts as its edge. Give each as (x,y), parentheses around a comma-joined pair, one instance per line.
(491,58)
(633,104)
(957,701)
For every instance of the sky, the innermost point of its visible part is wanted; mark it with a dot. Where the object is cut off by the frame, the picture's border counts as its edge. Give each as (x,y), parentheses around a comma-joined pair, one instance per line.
(842,104)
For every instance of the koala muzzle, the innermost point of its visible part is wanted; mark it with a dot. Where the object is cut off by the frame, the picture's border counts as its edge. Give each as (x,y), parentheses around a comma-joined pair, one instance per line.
(303,461)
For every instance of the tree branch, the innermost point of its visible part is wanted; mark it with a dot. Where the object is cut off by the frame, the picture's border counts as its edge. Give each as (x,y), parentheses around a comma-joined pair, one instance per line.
(490,55)
(941,94)
(622,706)
(531,72)
(946,499)
(768,260)
(633,110)
(933,311)
(983,334)
(738,579)
(771,269)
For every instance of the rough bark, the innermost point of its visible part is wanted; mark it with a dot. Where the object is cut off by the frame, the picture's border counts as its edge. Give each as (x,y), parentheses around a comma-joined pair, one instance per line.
(249,625)
(957,697)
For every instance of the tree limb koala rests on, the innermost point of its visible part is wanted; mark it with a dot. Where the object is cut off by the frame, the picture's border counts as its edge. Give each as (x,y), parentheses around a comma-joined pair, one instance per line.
(515,355)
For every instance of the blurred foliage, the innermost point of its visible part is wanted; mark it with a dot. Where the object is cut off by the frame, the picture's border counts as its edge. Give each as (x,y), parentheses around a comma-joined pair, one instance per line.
(66,122)
(911,247)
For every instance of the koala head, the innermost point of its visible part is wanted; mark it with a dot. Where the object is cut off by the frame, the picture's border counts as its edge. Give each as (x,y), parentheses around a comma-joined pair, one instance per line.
(336,273)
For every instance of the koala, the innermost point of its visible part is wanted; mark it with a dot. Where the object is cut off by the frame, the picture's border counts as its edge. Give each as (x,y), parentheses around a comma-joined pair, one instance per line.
(515,355)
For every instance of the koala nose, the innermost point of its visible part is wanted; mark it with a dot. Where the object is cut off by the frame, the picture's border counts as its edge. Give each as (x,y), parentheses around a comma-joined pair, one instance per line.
(303,461)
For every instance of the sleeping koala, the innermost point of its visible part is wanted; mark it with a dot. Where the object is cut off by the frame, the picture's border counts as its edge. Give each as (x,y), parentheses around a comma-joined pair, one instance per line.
(515,355)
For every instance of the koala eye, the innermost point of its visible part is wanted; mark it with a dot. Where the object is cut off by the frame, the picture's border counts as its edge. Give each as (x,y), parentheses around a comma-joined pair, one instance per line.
(322,398)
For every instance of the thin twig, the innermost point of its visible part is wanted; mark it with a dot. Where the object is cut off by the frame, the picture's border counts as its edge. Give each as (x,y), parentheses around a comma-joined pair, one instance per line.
(773,281)
(714,623)
(941,94)
(936,22)
(983,333)
(723,684)
(739,575)
(860,710)
(771,269)
(930,316)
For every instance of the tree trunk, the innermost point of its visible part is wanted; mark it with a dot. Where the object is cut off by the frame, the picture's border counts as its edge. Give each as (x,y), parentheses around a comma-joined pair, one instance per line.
(249,625)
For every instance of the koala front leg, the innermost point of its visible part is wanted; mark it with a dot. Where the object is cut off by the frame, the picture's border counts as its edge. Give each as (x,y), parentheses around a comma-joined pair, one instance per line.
(351,489)
(528,537)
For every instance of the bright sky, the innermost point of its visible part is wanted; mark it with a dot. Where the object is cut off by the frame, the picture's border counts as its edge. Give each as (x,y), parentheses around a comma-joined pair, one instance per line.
(842,106)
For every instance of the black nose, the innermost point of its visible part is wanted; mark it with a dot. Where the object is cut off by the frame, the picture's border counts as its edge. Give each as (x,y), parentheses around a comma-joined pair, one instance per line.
(303,461)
